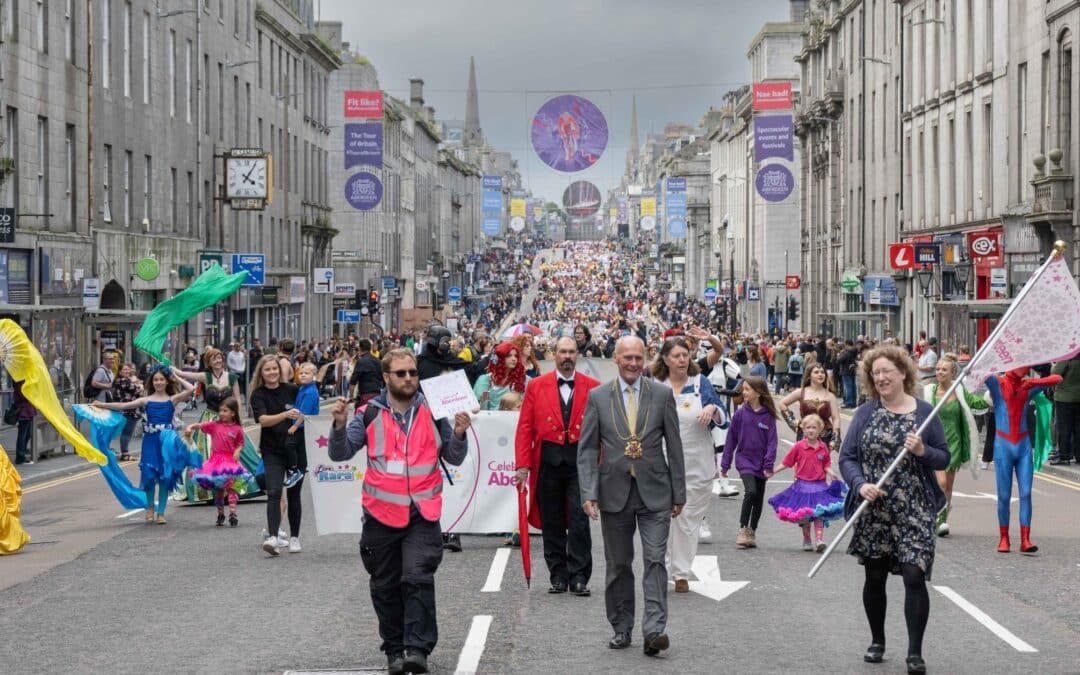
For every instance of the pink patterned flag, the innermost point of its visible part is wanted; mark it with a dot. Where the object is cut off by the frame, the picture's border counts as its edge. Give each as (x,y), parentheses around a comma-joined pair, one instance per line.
(1044,326)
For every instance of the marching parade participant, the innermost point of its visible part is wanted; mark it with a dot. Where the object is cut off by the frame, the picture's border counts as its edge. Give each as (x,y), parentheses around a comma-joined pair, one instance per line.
(699,409)
(546,448)
(401,544)
(627,483)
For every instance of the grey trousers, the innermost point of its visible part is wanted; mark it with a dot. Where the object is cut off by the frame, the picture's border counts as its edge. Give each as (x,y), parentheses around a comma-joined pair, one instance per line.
(618,529)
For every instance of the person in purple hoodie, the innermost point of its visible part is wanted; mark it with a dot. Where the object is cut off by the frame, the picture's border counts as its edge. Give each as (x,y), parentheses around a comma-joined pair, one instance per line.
(752,435)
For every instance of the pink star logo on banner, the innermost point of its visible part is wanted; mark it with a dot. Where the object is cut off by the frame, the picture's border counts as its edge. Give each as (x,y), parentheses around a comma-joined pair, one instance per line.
(322,441)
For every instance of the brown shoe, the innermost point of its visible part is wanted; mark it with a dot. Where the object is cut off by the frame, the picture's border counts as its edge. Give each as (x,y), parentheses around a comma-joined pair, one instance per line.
(752,539)
(682,586)
(742,539)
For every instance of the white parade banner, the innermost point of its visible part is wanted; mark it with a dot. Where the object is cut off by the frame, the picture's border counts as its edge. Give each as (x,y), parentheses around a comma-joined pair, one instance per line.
(482,500)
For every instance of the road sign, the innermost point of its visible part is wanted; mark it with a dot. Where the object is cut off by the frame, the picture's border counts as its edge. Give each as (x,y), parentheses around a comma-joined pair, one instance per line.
(389,282)
(927,253)
(902,256)
(254,263)
(453,294)
(347,290)
(710,295)
(792,282)
(348,316)
(324,279)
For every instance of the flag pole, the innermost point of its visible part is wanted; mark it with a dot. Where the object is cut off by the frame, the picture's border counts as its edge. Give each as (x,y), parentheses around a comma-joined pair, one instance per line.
(1059,249)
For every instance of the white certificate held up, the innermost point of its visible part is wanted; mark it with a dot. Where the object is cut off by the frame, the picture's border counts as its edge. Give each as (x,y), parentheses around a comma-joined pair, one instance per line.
(449,394)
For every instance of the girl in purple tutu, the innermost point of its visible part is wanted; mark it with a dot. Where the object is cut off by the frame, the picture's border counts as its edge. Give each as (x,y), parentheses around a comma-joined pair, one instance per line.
(817,495)
(223,474)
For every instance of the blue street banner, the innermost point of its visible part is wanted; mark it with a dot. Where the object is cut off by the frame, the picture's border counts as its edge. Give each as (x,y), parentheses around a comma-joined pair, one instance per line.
(364,144)
(675,206)
(492,205)
(773,137)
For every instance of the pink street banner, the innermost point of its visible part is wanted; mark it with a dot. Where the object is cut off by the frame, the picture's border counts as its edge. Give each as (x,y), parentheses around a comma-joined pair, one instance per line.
(482,499)
(1043,326)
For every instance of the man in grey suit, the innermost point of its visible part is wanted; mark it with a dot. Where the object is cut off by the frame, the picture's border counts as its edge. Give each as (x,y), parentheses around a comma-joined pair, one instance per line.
(627,483)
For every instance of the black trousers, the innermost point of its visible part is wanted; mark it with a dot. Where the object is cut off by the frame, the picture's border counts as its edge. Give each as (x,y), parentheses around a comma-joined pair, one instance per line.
(402,563)
(567,539)
(753,500)
(276,465)
(22,441)
(1068,429)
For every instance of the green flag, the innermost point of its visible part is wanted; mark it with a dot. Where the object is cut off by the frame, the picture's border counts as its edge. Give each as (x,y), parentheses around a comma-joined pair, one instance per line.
(212,286)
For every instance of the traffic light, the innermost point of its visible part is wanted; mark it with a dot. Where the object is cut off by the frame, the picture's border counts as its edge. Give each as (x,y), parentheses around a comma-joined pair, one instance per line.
(373,302)
(792,309)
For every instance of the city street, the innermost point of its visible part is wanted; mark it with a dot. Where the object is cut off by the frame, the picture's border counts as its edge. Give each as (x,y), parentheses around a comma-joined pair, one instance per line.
(100,591)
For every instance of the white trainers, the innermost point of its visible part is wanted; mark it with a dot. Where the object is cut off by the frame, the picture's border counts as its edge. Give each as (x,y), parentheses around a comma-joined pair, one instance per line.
(270,546)
(283,542)
(294,545)
(984,465)
(704,533)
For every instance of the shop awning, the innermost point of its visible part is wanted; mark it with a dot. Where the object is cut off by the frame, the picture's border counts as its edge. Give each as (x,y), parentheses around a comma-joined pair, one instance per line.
(978,309)
(857,316)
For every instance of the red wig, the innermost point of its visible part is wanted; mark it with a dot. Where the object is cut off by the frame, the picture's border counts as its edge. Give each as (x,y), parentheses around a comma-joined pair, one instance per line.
(500,376)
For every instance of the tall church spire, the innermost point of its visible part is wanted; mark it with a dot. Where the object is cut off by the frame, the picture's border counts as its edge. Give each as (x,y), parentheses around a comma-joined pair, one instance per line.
(633,149)
(473,136)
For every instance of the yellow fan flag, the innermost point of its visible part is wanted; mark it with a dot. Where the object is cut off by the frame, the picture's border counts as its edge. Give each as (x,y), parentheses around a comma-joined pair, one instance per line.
(12,535)
(23,363)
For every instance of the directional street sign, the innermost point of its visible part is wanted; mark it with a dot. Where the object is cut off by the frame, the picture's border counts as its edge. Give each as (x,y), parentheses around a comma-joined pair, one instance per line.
(902,256)
(348,316)
(254,263)
(324,279)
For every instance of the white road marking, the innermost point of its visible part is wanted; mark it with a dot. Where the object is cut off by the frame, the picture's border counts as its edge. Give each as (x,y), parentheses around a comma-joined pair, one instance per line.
(130,513)
(980,495)
(709,583)
(469,660)
(983,618)
(495,574)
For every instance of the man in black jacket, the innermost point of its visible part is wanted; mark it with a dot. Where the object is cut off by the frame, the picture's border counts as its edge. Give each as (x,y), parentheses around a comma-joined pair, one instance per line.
(366,376)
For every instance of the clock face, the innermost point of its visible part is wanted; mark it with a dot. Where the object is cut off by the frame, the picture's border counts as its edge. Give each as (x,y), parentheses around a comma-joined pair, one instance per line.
(246,177)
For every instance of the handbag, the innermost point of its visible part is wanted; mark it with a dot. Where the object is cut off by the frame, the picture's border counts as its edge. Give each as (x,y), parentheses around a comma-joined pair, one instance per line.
(11,415)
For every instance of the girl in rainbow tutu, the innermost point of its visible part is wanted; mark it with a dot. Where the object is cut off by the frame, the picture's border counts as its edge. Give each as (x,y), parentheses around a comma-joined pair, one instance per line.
(223,474)
(812,498)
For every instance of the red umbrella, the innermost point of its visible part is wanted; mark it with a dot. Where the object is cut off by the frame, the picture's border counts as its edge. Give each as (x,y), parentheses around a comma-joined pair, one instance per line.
(523,528)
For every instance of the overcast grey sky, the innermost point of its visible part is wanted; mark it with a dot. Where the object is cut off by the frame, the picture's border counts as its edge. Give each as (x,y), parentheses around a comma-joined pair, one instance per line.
(605,50)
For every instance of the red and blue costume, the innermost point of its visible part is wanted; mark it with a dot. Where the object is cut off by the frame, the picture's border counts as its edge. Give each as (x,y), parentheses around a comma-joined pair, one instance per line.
(1012,393)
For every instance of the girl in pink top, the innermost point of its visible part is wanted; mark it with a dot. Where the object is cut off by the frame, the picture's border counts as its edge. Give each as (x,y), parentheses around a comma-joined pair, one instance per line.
(223,474)
(811,498)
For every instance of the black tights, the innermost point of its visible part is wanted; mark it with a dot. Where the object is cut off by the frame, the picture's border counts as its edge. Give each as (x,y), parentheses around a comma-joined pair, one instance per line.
(275,477)
(916,601)
(752,501)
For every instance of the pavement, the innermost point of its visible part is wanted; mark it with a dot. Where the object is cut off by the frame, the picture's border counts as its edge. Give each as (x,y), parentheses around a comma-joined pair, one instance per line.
(98,590)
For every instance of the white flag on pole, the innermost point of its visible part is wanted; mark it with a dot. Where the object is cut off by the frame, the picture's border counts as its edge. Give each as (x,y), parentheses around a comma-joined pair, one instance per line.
(1042,326)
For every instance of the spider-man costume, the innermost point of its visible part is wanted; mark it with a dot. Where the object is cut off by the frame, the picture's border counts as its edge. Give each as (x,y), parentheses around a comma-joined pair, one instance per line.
(1012,448)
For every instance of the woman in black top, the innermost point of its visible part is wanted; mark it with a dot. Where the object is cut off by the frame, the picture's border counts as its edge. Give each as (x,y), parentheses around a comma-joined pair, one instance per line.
(272,404)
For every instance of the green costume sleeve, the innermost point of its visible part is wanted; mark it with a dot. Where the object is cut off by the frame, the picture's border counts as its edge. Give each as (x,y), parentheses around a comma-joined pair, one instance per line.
(975,402)
(1041,440)
(210,288)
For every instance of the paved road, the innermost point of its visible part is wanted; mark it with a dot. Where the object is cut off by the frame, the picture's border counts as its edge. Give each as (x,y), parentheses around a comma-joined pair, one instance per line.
(99,593)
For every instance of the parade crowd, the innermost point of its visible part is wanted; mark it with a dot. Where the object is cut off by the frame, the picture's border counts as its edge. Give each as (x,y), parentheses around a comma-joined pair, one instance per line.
(645,452)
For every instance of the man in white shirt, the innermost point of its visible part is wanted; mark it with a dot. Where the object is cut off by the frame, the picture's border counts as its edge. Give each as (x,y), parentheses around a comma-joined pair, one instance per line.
(236,361)
(928,360)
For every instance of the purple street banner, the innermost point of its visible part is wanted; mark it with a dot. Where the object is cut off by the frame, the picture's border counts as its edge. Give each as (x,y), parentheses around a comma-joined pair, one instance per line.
(773,137)
(363,144)
(581,198)
(363,191)
(569,133)
(775,182)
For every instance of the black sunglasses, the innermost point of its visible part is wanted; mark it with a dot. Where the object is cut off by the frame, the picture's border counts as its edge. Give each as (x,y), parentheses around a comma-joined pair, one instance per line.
(404,373)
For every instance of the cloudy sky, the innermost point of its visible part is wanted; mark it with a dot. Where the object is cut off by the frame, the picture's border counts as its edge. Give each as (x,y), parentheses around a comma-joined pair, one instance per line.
(678,57)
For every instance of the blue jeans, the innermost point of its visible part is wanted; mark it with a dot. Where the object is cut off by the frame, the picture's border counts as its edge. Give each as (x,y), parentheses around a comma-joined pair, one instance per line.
(849,390)
(125,435)
(23,453)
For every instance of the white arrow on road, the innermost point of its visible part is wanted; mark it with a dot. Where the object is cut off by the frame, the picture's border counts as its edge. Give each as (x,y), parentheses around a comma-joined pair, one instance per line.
(709,584)
(981,495)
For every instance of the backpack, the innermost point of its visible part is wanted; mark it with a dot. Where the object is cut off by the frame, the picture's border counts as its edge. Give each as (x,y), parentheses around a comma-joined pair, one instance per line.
(89,391)
(796,364)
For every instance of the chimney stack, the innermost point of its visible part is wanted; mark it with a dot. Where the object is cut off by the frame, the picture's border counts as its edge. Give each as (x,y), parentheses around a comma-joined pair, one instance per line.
(416,94)
(798,10)
(430,113)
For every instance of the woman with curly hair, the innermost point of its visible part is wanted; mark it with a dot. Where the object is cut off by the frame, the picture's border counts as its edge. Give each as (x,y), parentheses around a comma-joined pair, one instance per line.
(506,372)
(525,347)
